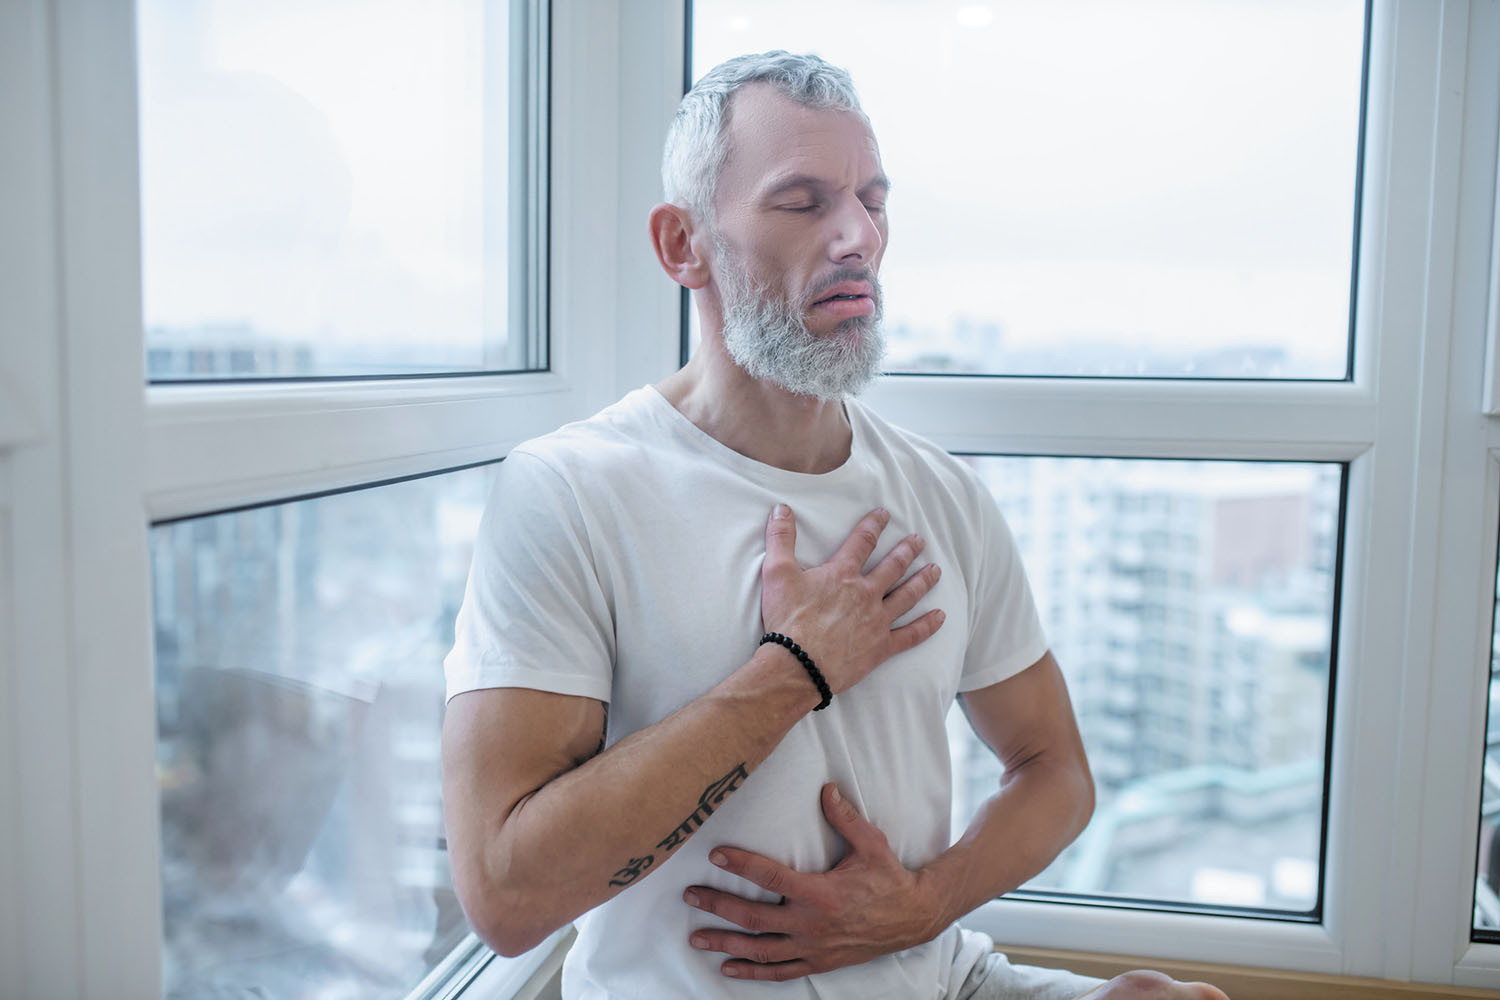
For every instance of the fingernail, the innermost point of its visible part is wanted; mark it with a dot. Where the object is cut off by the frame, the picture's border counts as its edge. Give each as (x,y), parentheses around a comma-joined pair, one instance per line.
(942,616)
(836,796)
(690,898)
(698,941)
(731,972)
(718,858)
(937,571)
(782,511)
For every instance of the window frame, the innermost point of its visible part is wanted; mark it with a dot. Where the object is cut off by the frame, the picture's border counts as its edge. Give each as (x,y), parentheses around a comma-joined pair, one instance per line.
(98,453)
(1427,201)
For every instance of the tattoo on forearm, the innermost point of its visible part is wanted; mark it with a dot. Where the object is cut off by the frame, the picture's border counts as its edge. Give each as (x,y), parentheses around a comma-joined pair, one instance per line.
(713,796)
(632,871)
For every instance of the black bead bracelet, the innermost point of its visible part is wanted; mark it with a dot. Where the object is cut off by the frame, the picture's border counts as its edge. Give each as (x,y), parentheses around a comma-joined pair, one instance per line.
(807,664)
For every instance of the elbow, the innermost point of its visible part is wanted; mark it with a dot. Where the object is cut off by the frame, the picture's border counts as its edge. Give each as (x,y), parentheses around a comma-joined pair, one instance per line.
(502,917)
(513,943)
(1086,799)
(505,927)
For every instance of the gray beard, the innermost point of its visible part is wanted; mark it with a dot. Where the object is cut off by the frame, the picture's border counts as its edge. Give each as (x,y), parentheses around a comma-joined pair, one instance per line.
(765,335)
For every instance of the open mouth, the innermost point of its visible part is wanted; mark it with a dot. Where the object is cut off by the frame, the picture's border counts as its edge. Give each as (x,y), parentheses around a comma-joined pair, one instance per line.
(855,290)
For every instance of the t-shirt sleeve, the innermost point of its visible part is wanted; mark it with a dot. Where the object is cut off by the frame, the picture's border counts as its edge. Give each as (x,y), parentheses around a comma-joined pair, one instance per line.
(1005,632)
(534,613)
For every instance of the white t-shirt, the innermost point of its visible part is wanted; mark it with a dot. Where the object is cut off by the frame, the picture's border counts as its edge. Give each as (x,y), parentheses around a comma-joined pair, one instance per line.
(619,559)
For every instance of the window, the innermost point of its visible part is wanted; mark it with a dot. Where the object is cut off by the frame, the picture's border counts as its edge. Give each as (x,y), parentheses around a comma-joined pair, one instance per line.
(1118,190)
(299,710)
(330,198)
(1349,389)
(1186,814)
(1124,180)
(1487,879)
(327,194)
(335,195)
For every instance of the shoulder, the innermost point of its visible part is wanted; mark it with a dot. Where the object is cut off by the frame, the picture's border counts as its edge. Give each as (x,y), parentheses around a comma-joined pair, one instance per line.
(622,433)
(922,461)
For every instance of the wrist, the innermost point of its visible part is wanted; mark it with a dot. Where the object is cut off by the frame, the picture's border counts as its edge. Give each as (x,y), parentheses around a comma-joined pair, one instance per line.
(775,672)
(825,693)
(928,903)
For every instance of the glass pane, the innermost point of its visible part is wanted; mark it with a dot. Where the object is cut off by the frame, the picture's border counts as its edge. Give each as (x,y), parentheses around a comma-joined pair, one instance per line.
(1158,188)
(327,188)
(300,694)
(1190,605)
(1487,881)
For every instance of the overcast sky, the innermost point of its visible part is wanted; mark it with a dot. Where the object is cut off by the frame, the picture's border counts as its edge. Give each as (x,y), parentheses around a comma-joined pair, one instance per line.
(1174,173)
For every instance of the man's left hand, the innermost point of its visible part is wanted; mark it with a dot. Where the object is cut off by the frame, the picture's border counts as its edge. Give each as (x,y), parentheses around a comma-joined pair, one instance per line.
(866,906)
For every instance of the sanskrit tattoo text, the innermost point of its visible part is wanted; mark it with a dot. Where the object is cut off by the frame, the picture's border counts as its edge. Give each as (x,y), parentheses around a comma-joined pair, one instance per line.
(712,797)
(632,871)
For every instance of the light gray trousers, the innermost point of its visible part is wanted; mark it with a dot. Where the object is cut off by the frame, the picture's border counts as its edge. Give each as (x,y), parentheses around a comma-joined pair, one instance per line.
(995,978)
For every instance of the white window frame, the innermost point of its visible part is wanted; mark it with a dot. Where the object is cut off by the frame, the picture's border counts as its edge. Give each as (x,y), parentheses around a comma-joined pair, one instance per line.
(88,458)
(89,455)
(1414,593)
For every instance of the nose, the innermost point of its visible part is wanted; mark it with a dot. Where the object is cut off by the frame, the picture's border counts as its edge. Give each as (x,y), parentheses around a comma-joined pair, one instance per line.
(858,235)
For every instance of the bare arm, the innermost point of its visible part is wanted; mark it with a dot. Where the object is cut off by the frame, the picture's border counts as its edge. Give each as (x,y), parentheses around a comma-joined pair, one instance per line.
(1046,796)
(869,904)
(541,830)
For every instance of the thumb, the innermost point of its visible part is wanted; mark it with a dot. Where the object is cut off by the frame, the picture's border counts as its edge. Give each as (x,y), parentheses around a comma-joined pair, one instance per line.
(860,834)
(781,536)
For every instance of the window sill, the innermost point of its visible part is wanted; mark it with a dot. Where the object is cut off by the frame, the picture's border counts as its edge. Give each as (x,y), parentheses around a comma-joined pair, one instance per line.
(1245,983)
(532,976)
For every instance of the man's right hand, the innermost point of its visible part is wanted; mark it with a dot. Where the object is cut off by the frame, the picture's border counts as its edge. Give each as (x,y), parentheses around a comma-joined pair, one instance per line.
(838,613)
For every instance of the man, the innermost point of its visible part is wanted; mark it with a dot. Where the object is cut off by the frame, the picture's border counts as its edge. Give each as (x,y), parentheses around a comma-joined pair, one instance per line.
(715,738)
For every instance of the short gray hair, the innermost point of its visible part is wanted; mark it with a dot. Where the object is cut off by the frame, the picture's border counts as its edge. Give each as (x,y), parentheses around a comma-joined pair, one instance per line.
(698,141)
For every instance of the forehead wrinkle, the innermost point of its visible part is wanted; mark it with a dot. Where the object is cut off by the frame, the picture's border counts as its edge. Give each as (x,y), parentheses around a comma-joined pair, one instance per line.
(759,108)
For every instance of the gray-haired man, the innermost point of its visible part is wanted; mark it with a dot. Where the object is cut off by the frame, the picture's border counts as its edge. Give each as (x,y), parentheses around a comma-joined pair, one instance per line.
(769,797)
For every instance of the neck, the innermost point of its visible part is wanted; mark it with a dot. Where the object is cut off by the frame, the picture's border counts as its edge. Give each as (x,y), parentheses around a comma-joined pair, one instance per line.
(755,418)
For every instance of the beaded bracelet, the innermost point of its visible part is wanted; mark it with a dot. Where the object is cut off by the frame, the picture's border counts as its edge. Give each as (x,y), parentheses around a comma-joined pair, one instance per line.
(807,663)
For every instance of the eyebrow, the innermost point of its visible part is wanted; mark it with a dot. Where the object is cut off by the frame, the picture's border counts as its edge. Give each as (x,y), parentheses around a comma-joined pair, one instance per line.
(794,181)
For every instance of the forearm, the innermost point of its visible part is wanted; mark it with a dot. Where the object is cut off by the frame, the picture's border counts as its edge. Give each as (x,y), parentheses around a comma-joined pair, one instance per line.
(594,831)
(540,830)
(1040,808)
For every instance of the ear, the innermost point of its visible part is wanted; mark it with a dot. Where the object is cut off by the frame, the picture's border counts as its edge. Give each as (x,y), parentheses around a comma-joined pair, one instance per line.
(671,228)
